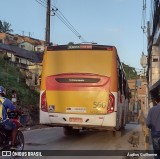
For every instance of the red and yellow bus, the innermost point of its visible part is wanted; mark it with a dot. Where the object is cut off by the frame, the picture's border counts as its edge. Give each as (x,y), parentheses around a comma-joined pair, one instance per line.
(83,86)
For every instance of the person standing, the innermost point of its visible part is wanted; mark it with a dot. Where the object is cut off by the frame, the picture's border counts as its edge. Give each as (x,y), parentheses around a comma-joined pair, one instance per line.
(152,123)
(135,107)
(14,97)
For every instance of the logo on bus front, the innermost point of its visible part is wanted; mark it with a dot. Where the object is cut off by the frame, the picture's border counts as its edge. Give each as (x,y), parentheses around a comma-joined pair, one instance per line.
(73,47)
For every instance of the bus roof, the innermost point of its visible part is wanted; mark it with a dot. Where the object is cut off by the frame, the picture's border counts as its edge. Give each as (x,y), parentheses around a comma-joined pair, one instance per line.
(80,47)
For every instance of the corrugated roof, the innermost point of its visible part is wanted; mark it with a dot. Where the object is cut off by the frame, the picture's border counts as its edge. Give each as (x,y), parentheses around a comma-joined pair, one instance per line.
(35,57)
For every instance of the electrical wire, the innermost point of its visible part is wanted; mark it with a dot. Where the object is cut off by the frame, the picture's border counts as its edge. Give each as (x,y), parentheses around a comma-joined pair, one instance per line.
(63,19)
(71,26)
(151,15)
(67,23)
(41,3)
(143,21)
(76,33)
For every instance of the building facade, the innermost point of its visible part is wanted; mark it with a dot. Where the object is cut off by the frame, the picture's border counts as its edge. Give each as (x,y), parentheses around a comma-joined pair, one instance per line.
(138,88)
(24,42)
(29,63)
(153,71)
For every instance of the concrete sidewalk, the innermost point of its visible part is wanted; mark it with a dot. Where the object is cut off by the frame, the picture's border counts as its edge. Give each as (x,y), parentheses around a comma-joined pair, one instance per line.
(142,145)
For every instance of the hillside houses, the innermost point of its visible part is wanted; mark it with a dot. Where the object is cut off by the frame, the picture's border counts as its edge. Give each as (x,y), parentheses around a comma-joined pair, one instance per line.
(25,52)
(24,42)
(29,62)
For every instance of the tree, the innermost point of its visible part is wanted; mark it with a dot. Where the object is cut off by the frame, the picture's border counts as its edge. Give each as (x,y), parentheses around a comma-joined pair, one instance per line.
(1,26)
(130,71)
(5,27)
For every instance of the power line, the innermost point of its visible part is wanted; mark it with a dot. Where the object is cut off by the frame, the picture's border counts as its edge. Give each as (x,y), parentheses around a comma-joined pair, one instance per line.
(41,3)
(68,24)
(143,22)
(57,10)
(63,19)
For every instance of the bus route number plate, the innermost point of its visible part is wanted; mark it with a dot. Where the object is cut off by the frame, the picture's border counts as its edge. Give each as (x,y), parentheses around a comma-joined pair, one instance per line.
(78,120)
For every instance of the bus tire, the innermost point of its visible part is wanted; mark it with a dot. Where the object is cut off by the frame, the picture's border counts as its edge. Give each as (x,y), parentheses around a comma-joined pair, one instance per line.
(76,131)
(67,131)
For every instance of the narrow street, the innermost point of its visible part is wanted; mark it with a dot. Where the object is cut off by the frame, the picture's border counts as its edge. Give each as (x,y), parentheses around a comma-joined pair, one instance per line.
(54,139)
(80,65)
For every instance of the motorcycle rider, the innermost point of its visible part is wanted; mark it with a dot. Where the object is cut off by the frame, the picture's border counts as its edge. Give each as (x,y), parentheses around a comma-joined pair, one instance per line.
(10,124)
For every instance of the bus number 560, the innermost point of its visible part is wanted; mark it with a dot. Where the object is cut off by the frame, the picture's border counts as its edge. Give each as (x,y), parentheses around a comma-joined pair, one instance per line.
(99,105)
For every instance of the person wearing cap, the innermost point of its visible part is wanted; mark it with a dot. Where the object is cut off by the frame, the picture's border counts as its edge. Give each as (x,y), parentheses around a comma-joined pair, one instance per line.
(9,124)
(152,123)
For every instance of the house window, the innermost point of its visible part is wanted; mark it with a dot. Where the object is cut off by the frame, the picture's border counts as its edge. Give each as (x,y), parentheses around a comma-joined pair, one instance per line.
(22,46)
(155,60)
(38,49)
(17,60)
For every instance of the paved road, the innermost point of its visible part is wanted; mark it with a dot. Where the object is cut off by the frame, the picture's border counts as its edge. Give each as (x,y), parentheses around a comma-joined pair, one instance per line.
(54,139)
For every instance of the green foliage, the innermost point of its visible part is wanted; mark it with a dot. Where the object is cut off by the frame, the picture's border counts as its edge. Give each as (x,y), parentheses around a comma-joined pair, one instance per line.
(12,79)
(130,72)
(5,27)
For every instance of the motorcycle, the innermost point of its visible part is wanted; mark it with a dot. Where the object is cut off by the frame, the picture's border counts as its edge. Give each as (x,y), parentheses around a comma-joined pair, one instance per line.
(6,137)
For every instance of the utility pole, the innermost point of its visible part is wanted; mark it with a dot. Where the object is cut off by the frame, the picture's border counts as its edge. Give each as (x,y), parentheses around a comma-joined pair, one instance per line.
(148,33)
(48,22)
